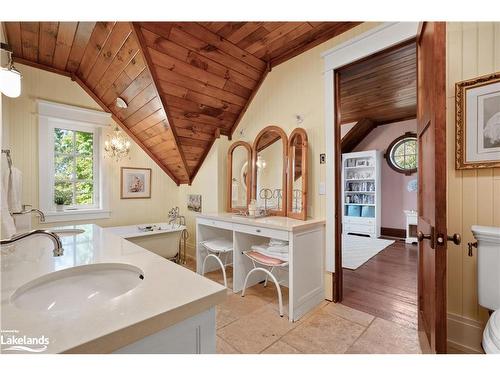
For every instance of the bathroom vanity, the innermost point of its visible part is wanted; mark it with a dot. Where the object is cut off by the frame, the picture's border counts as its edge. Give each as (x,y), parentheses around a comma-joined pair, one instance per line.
(305,276)
(104,295)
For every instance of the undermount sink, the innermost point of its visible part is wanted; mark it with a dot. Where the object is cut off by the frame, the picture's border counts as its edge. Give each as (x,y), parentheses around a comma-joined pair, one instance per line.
(77,287)
(68,232)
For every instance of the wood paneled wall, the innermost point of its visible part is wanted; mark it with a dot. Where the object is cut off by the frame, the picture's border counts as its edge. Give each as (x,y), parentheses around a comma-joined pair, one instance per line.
(473,49)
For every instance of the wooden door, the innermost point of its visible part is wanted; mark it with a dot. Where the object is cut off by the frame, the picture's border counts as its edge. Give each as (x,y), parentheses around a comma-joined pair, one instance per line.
(431,118)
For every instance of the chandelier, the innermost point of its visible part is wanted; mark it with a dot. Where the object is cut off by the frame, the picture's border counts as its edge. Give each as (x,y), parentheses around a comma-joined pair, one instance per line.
(117,145)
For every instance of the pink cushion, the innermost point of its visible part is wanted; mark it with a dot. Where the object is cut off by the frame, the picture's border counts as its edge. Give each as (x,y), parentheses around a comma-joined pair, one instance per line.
(264,259)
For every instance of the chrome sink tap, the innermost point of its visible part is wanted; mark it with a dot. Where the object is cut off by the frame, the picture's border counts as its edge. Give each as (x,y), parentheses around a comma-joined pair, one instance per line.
(27,209)
(58,248)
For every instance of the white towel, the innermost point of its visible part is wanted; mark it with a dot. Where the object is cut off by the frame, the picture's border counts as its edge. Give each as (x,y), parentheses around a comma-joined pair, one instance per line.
(278,249)
(264,249)
(8,228)
(15,190)
(276,242)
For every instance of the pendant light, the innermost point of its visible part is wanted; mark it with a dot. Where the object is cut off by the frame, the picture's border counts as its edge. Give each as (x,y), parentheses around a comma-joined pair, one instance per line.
(10,77)
(117,146)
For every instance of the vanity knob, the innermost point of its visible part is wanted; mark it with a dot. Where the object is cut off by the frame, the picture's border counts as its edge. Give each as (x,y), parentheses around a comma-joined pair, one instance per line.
(257,230)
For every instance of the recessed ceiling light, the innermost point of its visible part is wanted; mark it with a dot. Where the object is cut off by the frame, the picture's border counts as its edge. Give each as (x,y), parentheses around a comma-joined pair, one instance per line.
(120,103)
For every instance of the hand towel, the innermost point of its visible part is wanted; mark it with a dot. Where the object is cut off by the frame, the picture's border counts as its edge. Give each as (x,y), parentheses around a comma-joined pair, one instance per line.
(15,190)
(263,249)
(8,228)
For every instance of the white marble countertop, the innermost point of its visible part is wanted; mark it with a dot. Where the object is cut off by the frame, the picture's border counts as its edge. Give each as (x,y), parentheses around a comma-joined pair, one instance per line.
(129,231)
(168,294)
(272,222)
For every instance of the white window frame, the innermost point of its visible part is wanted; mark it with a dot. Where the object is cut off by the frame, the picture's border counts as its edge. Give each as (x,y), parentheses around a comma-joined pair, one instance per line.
(54,115)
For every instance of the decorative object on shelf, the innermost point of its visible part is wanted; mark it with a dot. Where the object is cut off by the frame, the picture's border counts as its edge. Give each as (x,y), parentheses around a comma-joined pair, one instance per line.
(402,154)
(477,121)
(412,186)
(135,183)
(117,146)
(10,77)
(59,202)
(194,202)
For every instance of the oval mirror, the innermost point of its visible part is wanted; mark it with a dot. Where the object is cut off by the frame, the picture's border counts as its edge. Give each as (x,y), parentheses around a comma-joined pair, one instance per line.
(239,158)
(269,170)
(297,177)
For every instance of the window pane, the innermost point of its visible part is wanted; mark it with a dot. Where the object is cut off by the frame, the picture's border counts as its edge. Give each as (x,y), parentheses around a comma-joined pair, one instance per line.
(63,166)
(65,191)
(411,162)
(84,192)
(84,143)
(399,149)
(84,168)
(63,141)
(411,147)
(399,161)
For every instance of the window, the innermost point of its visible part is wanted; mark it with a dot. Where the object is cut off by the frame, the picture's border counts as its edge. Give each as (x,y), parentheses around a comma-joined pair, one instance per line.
(402,154)
(70,165)
(75,181)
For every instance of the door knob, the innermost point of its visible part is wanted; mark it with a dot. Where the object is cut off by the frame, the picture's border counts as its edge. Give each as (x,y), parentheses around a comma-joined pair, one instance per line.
(421,236)
(456,239)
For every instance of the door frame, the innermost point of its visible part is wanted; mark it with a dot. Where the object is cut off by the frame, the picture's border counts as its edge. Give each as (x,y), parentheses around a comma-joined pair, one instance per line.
(381,37)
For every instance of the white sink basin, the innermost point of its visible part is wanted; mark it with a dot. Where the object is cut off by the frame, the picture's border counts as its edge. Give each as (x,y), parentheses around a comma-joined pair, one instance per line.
(77,287)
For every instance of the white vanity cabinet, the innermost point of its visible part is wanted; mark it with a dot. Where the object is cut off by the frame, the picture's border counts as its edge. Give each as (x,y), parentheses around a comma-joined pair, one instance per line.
(305,274)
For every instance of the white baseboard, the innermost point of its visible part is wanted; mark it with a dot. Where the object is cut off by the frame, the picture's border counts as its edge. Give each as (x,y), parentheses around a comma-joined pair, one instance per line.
(465,334)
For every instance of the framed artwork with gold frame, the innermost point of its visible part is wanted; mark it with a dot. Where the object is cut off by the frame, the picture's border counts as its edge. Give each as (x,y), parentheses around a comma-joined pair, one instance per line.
(477,121)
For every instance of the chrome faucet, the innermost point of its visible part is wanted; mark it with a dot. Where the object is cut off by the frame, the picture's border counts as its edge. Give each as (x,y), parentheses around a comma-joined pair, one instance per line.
(27,209)
(58,248)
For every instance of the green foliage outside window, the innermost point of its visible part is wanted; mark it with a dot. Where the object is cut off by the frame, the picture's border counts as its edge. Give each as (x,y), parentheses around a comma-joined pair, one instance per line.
(74,167)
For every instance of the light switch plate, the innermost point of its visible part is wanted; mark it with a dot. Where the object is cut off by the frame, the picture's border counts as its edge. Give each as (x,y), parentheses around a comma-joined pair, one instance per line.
(322,188)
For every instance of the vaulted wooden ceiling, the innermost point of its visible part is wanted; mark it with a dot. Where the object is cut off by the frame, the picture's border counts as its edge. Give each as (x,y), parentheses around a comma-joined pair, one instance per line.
(185,83)
(381,88)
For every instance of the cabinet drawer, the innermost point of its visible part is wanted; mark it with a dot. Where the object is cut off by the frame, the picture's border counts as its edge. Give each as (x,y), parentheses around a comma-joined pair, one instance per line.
(259,231)
(359,228)
(359,220)
(215,223)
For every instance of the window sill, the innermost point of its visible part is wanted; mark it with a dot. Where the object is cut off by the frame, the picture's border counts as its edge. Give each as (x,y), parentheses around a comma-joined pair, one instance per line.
(76,215)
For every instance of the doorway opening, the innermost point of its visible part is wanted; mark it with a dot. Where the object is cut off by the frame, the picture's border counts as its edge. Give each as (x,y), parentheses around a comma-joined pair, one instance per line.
(376,110)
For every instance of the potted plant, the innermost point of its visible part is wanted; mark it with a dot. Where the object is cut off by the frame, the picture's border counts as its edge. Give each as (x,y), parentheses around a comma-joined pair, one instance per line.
(59,201)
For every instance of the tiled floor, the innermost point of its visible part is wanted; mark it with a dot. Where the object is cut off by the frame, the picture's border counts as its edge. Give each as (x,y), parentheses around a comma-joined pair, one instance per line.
(251,324)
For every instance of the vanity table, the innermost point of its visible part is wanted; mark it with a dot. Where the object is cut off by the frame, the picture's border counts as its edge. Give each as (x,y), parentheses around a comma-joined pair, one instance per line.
(305,275)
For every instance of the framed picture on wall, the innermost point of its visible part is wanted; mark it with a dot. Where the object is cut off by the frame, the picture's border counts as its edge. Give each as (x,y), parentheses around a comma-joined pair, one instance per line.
(194,202)
(135,183)
(477,116)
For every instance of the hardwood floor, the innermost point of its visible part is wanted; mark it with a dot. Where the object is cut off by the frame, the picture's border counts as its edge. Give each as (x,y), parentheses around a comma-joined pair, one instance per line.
(386,285)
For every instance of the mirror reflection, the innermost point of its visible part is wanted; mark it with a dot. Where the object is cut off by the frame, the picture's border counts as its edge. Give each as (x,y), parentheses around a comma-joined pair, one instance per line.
(269,171)
(297,168)
(239,177)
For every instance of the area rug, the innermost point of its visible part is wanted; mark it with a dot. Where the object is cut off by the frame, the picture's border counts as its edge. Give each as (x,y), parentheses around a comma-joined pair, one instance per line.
(357,250)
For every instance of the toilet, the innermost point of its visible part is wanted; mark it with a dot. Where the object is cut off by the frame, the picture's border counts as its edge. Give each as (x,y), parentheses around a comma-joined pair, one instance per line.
(488,274)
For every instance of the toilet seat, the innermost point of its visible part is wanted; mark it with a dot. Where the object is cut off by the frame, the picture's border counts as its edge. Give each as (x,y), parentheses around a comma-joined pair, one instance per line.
(491,334)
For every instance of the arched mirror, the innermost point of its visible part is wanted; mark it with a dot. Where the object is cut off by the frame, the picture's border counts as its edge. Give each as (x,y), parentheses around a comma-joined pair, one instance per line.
(239,161)
(270,150)
(297,174)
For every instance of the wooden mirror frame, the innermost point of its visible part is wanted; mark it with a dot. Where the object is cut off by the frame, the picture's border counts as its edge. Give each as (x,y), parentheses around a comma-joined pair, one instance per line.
(302,215)
(230,151)
(284,140)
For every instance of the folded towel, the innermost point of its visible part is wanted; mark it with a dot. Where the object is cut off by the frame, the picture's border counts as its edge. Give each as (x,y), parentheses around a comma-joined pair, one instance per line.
(278,249)
(276,242)
(15,190)
(265,250)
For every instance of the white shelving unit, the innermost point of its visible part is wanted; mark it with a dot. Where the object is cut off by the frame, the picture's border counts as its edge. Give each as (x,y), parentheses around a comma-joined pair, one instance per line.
(361,193)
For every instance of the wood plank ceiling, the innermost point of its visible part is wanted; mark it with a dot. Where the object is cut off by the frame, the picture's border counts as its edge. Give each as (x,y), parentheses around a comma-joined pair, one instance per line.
(381,88)
(185,83)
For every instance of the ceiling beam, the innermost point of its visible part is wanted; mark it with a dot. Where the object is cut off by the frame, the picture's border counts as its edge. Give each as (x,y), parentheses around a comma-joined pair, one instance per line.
(357,133)
(149,64)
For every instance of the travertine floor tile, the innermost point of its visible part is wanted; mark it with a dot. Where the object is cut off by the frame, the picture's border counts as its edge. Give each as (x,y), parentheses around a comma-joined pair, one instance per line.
(383,336)
(348,313)
(256,331)
(235,307)
(223,347)
(324,333)
(280,347)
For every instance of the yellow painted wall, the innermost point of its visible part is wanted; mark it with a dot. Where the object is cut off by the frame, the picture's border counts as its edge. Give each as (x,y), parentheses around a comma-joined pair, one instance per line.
(473,49)
(21,136)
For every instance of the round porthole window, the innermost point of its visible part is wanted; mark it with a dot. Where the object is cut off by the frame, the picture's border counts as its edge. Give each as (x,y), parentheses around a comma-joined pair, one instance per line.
(402,154)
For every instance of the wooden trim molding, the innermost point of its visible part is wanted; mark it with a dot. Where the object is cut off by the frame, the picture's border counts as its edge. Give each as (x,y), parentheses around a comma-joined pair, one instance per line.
(301,135)
(284,139)
(229,195)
